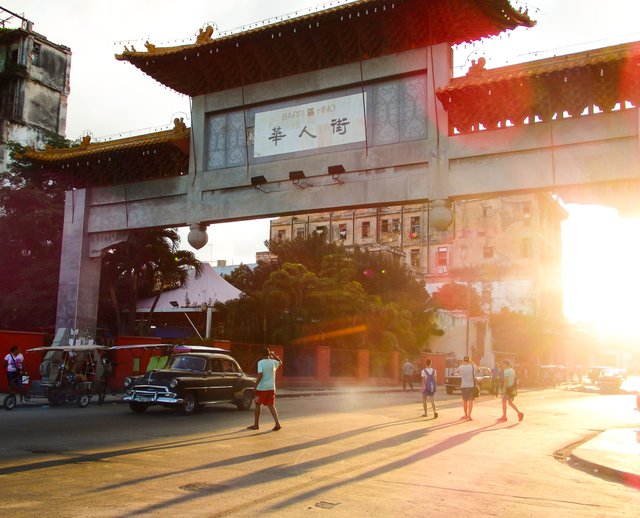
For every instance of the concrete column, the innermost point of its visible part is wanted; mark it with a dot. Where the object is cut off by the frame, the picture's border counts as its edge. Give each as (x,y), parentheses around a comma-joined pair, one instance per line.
(79,273)
(395,366)
(363,365)
(323,363)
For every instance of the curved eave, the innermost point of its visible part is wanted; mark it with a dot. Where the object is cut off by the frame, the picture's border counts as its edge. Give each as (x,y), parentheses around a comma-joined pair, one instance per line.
(616,55)
(336,36)
(179,139)
(539,91)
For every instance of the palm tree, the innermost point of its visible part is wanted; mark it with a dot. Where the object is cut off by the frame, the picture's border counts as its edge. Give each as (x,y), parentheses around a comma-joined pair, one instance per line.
(149,261)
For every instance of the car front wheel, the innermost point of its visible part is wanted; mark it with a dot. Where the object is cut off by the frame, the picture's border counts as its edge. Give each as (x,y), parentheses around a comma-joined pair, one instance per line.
(189,404)
(245,402)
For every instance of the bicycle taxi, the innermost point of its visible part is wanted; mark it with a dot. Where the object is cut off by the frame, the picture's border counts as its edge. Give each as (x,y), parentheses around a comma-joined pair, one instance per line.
(70,374)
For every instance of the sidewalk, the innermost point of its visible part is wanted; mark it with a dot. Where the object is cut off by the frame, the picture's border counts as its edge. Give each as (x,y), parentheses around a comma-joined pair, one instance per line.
(614,452)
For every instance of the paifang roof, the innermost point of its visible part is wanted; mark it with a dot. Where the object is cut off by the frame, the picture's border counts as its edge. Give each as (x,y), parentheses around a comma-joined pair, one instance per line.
(344,34)
(154,155)
(543,88)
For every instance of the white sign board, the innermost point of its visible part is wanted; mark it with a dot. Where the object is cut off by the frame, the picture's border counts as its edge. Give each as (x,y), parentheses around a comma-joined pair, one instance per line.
(331,122)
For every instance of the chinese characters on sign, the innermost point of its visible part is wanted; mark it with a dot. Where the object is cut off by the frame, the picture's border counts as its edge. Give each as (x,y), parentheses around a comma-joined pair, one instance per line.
(331,122)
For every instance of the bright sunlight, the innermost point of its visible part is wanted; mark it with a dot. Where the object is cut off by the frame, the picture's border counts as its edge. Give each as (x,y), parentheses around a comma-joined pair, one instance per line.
(601,258)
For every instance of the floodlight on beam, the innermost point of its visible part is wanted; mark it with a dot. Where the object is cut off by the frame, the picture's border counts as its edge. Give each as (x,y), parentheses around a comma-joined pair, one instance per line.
(295,177)
(258,182)
(335,171)
(174,303)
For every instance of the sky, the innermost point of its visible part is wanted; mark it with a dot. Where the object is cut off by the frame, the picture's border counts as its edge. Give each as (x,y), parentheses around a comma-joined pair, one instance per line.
(110,99)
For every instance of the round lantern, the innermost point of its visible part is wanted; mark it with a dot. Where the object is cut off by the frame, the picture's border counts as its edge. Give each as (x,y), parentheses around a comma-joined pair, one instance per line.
(197,235)
(440,214)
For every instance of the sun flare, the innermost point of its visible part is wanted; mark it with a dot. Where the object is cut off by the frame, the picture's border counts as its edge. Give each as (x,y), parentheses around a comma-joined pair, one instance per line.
(601,258)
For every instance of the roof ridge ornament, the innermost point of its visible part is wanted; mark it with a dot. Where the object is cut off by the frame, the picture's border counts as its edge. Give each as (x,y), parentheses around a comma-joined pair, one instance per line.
(477,67)
(204,35)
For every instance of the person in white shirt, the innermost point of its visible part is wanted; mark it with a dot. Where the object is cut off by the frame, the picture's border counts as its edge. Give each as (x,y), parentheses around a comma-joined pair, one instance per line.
(467,385)
(13,363)
(265,393)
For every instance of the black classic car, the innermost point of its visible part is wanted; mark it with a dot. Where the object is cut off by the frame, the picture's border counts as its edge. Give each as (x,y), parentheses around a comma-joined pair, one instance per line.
(190,381)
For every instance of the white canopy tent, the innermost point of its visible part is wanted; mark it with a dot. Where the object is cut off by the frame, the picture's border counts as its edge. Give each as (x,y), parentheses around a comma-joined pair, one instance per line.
(199,294)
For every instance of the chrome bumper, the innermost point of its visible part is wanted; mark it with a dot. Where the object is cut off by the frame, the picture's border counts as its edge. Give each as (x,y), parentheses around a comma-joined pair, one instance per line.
(152,396)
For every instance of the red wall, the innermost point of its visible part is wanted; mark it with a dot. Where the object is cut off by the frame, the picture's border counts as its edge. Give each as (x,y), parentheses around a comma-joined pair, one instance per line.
(24,341)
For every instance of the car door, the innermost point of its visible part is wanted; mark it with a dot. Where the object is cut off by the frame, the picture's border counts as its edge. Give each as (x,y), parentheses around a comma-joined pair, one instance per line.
(217,385)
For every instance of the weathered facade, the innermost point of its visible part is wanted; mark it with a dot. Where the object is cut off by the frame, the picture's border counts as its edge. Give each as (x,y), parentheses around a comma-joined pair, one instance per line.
(508,247)
(34,86)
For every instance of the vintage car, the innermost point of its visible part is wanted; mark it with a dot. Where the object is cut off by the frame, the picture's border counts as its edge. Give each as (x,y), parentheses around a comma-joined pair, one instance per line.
(453,380)
(610,380)
(190,381)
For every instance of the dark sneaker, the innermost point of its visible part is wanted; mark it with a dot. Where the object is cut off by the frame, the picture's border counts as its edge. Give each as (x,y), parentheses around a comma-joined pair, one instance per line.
(435,415)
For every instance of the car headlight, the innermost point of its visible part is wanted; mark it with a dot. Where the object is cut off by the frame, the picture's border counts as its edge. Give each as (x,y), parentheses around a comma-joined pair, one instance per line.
(173,383)
(127,382)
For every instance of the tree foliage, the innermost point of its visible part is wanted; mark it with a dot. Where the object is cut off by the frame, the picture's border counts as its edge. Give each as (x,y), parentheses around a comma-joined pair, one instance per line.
(31,215)
(316,292)
(520,334)
(454,295)
(147,263)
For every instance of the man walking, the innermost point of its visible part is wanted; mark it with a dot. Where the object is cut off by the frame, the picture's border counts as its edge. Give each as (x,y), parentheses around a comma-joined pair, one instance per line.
(266,388)
(509,392)
(467,384)
(407,373)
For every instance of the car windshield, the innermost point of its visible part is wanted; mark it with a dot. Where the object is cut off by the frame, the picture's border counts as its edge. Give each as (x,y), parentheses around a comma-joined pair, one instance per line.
(188,363)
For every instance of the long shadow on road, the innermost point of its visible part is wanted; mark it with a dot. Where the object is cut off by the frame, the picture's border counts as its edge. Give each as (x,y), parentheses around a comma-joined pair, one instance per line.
(288,472)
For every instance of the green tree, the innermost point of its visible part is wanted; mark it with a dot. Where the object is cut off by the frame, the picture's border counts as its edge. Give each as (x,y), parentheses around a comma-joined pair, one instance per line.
(147,263)
(318,291)
(31,216)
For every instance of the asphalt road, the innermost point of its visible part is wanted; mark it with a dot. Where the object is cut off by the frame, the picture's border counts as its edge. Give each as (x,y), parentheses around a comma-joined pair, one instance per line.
(340,455)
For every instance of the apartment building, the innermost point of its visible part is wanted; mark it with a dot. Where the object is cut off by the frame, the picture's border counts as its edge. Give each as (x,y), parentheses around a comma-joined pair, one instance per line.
(508,248)
(34,85)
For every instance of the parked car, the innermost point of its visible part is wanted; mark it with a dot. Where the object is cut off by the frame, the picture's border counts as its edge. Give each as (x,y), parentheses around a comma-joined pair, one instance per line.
(483,379)
(611,379)
(190,381)
(594,372)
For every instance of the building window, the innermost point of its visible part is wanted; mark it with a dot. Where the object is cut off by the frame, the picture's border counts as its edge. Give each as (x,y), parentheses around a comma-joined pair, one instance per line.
(321,229)
(366,229)
(300,232)
(282,234)
(342,231)
(415,258)
(487,212)
(526,247)
(526,212)
(35,55)
(414,225)
(442,256)
(384,225)
(395,225)
(487,252)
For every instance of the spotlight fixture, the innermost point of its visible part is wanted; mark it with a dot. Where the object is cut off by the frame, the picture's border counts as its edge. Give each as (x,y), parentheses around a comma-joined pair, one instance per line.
(335,171)
(258,181)
(295,177)
(174,303)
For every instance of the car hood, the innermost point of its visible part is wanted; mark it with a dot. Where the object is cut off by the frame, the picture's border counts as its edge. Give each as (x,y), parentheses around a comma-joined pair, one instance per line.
(164,376)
